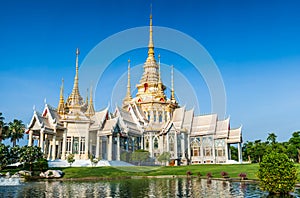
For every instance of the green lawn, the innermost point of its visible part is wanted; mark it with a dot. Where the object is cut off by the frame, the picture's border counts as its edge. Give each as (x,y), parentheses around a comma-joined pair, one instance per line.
(111,172)
(120,172)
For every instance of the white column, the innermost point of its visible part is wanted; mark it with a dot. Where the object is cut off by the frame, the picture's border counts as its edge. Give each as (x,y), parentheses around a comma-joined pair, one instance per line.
(64,146)
(240,152)
(30,138)
(214,151)
(183,146)
(109,148)
(87,140)
(189,147)
(168,146)
(226,151)
(53,147)
(41,142)
(59,149)
(175,149)
(97,146)
(72,138)
(118,147)
(150,144)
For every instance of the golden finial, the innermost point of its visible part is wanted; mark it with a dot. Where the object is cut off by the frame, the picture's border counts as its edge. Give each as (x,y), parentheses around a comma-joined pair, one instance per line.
(150,45)
(87,96)
(128,95)
(61,104)
(159,77)
(172,84)
(90,110)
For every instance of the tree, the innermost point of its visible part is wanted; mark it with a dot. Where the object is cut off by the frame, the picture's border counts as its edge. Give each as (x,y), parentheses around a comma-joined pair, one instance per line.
(16,130)
(272,138)
(3,128)
(30,154)
(293,147)
(277,173)
(70,159)
(234,153)
(140,156)
(164,157)
(4,155)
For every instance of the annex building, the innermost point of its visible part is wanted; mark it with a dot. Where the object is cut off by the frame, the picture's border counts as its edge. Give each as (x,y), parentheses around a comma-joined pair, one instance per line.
(150,120)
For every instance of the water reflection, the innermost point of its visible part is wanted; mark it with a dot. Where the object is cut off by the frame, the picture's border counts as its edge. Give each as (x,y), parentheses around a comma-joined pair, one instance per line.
(171,187)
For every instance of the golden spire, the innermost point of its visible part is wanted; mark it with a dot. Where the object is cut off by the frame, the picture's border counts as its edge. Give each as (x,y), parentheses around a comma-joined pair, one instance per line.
(75,100)
(150,45)
(87,96)
(159,77)
(128,95)
(61,104)
(172,85)
(90,110)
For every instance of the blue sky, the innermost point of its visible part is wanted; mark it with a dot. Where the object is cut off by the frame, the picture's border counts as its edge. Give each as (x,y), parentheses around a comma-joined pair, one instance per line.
(255,44)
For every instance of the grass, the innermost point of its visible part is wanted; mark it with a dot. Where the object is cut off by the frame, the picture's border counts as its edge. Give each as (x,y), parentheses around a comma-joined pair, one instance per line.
(108,172)
(112,172)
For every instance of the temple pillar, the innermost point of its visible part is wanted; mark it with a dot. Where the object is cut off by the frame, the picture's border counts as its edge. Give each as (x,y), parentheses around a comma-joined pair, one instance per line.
(150,144)
(240,152)
(189,148)
(182,140)
(97,146)
(226,151)
(72,138)
(109,148)
(214,151)
(53,147)
(118,147)
(64,145)
(175,149)
(30,138)
(87,140)
(41,141)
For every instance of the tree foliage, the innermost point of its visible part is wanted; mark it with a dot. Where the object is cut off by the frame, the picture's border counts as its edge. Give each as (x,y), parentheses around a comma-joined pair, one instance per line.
(4,156)
(164,157)
(30,154)
(16,130)
(254,151)
(277,173)
(70,159)
(140,156)
(3,128)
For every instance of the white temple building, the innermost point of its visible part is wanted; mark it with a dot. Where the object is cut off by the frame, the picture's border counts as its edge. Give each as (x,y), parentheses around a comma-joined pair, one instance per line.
(149,120)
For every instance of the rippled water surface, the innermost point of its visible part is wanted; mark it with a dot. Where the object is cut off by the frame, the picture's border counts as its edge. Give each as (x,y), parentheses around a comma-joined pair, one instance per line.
(172,187)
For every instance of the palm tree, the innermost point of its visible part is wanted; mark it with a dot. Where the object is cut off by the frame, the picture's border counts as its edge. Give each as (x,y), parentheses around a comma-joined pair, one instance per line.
(16,130)
(3,128)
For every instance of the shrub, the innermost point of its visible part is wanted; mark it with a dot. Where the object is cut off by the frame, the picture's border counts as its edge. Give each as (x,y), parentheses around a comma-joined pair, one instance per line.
(277,173)
(224,174)
(209,175)
(41,164)
(242,175)
(188,173)
(70,159)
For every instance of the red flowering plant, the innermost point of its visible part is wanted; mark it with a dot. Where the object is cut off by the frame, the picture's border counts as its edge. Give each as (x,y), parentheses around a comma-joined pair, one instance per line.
(209,175)
(243,176)
(224,174)
(188,173)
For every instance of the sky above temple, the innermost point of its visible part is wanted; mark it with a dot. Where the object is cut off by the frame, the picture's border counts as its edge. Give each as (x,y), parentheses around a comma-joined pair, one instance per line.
(254,44)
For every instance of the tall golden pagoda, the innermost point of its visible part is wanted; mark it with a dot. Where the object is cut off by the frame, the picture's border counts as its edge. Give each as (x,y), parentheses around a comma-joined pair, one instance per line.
(150,95)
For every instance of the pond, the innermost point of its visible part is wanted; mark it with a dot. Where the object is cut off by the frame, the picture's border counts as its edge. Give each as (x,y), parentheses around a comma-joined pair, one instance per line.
(167,187)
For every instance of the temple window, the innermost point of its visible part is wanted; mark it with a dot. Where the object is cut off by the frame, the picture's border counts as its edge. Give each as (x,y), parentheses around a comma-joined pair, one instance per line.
(75,145)
(154,116)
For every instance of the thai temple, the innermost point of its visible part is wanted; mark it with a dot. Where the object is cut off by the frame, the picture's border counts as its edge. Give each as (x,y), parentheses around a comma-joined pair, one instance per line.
(150,120)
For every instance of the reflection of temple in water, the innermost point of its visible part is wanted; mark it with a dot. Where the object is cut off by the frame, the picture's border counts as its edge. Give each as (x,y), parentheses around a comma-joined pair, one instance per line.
(149,121)
(167,187)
